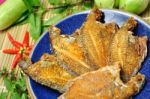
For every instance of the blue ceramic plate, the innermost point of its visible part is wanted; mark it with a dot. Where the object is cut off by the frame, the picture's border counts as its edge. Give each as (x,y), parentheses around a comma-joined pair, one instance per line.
(69,25)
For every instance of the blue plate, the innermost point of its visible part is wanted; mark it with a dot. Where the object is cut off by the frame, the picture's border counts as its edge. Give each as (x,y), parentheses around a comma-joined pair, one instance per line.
(69,25)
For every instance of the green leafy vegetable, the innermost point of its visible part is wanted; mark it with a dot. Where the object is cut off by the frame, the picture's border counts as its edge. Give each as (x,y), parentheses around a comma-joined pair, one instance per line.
(36,11)
(35,2)
(87,5)
(15,85)
(3,95)
(15,95)
(35,24)
(59,11)
(55,2)
(53,20)
(8,84)
(24,96)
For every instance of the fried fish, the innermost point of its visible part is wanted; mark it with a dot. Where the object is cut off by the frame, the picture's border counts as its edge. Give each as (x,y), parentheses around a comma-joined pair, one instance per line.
(128,50)
(91,53)
(68,52)
(104,83)
(46,72)
(96,38)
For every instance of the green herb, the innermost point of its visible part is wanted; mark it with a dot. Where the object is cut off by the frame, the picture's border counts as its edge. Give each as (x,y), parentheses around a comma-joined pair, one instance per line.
(65,8)
(35,24)
(15,85)
(3,95)
(23,19)
(53,20)
(15,95)
(55,2)
(35,10)
(8,84)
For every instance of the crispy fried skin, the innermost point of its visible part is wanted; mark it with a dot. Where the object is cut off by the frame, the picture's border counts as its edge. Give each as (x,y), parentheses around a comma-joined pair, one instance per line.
(111,29)
(104,83)
(87,48)
(46,72)
(96,38)
(92,47)
(136,52)
(127,50)
(69,53)
(70,49)
(92,42)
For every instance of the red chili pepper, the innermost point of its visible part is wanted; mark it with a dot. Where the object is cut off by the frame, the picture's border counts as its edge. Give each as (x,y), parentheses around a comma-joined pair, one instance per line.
(10,51)
(27,52)
(30,47)
(26,40)
(16,60)
(13,42)
(20,49)
(2,1)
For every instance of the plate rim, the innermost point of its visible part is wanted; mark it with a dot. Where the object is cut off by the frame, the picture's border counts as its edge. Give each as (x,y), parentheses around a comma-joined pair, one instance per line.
(84,12)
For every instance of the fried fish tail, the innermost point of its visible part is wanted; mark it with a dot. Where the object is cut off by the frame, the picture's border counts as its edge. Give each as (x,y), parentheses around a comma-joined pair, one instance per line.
(46,72)
(98,14)
(54,32)
(133,86)
(130,24)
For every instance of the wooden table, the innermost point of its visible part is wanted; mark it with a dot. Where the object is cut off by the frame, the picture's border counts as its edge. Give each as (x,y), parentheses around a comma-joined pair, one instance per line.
(18,33)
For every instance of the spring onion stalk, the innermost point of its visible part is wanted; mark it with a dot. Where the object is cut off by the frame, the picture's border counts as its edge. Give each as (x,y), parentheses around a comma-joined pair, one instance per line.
(10,11)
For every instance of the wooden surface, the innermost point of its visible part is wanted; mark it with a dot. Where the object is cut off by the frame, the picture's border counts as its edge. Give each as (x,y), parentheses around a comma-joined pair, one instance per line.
(18,33)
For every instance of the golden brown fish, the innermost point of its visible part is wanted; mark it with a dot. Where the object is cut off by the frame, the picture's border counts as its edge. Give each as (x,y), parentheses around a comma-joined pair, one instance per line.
(104,83)
(68,52)
(47,72)
(96,38)
(92,42)
(110,28)
(93,46)
(128,50)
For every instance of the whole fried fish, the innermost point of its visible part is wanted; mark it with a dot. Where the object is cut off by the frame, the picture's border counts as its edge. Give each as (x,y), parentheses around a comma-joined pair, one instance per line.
(96,38)
(104,83)
(46,72)
(128,50)
(68,52)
